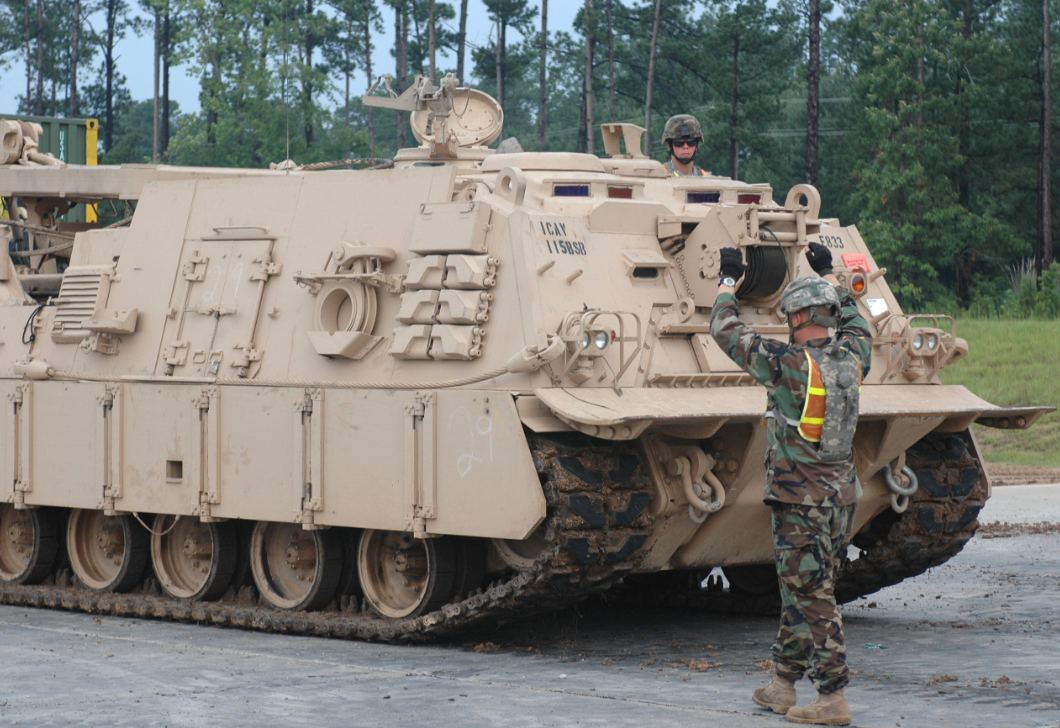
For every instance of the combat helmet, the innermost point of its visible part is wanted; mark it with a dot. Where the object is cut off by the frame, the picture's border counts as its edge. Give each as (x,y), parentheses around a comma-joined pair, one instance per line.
(682,126)
(815,294)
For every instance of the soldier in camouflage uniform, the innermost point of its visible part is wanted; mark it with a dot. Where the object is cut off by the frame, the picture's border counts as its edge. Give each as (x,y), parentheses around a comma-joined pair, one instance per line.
(682,136)
(811,483)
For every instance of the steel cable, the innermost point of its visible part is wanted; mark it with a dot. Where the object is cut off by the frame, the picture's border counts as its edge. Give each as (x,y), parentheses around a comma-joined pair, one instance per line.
(309,384)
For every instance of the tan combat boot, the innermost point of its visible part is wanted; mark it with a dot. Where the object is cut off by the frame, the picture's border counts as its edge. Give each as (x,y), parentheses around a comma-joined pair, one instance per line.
(778,695)
(826,709)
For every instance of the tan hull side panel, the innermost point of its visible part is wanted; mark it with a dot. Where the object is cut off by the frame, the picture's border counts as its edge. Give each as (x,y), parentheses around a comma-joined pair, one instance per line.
(158,423)
(364,471)
(62,421)
(486,475)
(252,451)
(258,434)
(480,479)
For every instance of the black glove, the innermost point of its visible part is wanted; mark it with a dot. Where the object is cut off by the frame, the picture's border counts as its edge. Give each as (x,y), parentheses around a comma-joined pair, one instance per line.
(820,259)
(732,264)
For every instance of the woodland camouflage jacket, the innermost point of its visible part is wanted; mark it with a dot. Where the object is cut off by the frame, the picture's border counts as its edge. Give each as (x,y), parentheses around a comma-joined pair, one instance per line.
(794,474)
(696,171)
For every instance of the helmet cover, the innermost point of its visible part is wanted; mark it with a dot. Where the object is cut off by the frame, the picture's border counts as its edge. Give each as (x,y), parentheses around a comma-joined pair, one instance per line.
(682,126)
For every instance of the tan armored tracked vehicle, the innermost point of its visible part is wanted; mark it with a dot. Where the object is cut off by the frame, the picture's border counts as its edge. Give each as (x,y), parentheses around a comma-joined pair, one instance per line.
(467,386)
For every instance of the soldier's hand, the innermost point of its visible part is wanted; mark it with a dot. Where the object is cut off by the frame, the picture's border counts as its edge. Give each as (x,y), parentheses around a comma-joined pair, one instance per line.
(820,259)
(732,263)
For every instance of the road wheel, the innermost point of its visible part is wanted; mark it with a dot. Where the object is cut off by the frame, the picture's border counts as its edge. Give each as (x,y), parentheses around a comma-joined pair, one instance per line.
(295,569)
(29,544)
(107,553)
(402,576)
(192,559)
(520,555)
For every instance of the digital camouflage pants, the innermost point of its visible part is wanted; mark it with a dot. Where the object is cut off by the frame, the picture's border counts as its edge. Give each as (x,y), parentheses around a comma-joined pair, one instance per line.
(808,544)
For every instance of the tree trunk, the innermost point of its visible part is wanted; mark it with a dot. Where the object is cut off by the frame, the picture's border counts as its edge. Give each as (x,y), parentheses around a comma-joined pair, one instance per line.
(40,57)
(154,111)
(346,69)
(590,123)
(461,40)
(307,85)
(583,140)
(964,193)
(498,62)
(108,70)
(813,94)
(163,142)
(920,78)
(1044,258)
(75,49)
(401,43)
(611,58)
(29,58)
(368,70)
(419,37)
(542,92)
(430,40)
(651,78)
(734,118)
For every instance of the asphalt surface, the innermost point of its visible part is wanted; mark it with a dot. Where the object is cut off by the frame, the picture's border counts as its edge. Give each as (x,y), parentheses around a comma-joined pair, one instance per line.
(971,643)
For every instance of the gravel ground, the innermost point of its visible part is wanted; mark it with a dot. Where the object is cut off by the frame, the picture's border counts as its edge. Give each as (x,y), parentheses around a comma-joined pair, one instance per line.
(970,643)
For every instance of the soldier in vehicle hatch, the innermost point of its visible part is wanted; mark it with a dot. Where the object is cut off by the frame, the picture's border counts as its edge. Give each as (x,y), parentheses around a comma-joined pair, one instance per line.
(813,386)
(683,135)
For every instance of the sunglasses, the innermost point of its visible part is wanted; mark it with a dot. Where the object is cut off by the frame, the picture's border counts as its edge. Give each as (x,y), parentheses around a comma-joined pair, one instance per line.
(684,143)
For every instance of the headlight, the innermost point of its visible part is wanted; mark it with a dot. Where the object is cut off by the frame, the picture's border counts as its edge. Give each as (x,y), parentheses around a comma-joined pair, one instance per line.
(601,340)
(858,284)
(918,342)
(587,340)
(932,342)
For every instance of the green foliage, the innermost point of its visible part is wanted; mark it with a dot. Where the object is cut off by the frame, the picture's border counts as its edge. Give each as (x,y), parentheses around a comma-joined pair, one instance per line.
(929,112)
(135,133)
(743,43)
(907,192)
(1013,363)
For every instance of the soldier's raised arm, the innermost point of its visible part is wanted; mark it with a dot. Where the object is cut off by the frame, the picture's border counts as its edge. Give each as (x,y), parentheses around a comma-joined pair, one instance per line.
(756,355)
(852,333)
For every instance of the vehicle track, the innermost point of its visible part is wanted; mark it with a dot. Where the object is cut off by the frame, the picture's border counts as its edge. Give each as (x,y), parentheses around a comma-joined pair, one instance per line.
(597,521)
(941,518)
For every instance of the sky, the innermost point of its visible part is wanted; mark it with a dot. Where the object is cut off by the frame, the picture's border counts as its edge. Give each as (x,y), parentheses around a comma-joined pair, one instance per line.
(136,58)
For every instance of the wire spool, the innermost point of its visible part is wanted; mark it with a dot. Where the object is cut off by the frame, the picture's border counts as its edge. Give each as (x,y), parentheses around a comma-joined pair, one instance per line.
(767,269)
